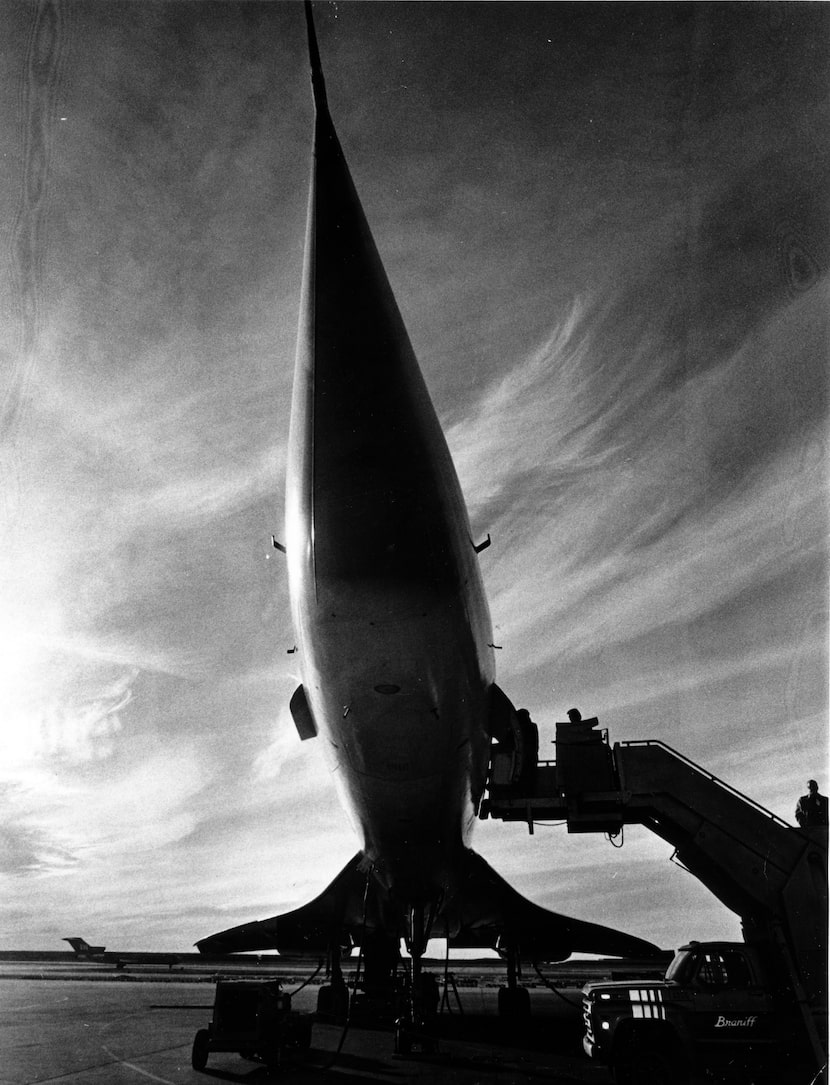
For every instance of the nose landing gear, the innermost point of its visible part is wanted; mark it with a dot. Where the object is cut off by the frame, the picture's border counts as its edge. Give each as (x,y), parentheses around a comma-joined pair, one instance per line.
(413,1032)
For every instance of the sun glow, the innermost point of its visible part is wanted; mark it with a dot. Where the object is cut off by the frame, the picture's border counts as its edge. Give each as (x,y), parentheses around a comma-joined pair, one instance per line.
(52,707)
(20,666)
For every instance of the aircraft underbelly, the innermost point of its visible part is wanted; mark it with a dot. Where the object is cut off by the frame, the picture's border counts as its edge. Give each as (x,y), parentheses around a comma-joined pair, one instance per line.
(401,706)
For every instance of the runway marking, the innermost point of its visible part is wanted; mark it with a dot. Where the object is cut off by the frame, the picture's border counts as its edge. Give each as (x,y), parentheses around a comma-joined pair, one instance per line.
(138,1070)
(32,1006)
(178,1006)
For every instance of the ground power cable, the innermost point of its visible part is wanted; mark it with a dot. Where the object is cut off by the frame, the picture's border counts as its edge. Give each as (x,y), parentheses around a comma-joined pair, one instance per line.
(611,837)
(305,983)
(553,988)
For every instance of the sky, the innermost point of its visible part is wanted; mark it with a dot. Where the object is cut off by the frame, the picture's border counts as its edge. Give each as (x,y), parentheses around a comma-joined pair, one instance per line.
(607,231)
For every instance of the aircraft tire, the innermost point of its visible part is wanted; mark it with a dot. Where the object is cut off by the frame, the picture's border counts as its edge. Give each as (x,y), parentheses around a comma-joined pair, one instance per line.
(403,1042)
(305,1036)
(514,1003)
(201,1047)
(333,1003)
(325,1001)
(299,1033)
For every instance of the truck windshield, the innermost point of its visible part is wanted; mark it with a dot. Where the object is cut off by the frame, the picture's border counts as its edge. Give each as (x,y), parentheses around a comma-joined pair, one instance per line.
(680,967)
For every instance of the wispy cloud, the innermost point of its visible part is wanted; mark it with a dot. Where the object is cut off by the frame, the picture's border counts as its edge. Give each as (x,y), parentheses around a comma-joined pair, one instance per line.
(668,519)
(614,290)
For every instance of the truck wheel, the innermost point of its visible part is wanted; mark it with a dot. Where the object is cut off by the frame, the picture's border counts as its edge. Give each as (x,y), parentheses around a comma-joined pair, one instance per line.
(648,1066)
(201,1047)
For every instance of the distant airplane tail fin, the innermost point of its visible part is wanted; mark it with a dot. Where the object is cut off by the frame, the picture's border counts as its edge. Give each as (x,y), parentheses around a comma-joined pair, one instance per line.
(82,947)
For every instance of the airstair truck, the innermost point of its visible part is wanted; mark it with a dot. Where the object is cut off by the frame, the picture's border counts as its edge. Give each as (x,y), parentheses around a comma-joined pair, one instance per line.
(770,874)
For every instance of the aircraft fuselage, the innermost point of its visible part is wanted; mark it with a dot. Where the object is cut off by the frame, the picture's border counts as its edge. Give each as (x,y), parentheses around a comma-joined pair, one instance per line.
(392,624)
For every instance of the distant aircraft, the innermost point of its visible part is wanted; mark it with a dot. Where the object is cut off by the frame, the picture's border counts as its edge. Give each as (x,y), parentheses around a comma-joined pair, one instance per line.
(392,628)
(84,951)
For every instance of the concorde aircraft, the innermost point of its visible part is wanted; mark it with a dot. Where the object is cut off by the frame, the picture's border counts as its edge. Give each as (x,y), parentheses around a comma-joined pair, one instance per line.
(392,626)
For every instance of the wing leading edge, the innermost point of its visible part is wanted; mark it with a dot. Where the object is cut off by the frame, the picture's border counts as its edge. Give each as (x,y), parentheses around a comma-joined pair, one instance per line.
(491,913)
(313,928)
(486,913)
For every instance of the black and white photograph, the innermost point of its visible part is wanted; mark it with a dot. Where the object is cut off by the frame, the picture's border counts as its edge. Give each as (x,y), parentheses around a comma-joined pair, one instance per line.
(414,572)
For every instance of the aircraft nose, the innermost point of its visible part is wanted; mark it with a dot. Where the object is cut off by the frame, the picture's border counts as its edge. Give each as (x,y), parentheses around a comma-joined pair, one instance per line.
(382,478)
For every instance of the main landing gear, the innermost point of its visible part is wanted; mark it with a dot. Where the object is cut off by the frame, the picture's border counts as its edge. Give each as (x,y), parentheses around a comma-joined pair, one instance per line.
(514,1001)
(333,997)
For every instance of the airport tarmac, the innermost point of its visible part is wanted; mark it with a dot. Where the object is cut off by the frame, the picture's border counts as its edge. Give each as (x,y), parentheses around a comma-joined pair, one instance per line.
(81,1024)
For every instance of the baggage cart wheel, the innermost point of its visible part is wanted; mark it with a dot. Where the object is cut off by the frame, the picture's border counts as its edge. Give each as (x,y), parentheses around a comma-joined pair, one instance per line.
(201,1047)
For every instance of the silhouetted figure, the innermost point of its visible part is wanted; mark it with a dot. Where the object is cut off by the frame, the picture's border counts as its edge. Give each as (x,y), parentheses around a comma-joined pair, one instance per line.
(575,716)
(583,756)
(529,745)
(811,810)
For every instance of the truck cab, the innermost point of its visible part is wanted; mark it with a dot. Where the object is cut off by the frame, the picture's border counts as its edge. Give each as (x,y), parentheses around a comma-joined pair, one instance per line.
(715,1007)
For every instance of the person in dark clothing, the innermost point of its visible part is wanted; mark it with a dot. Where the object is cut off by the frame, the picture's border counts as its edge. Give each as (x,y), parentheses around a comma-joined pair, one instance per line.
(575,716)
(811,809)
(529,733)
